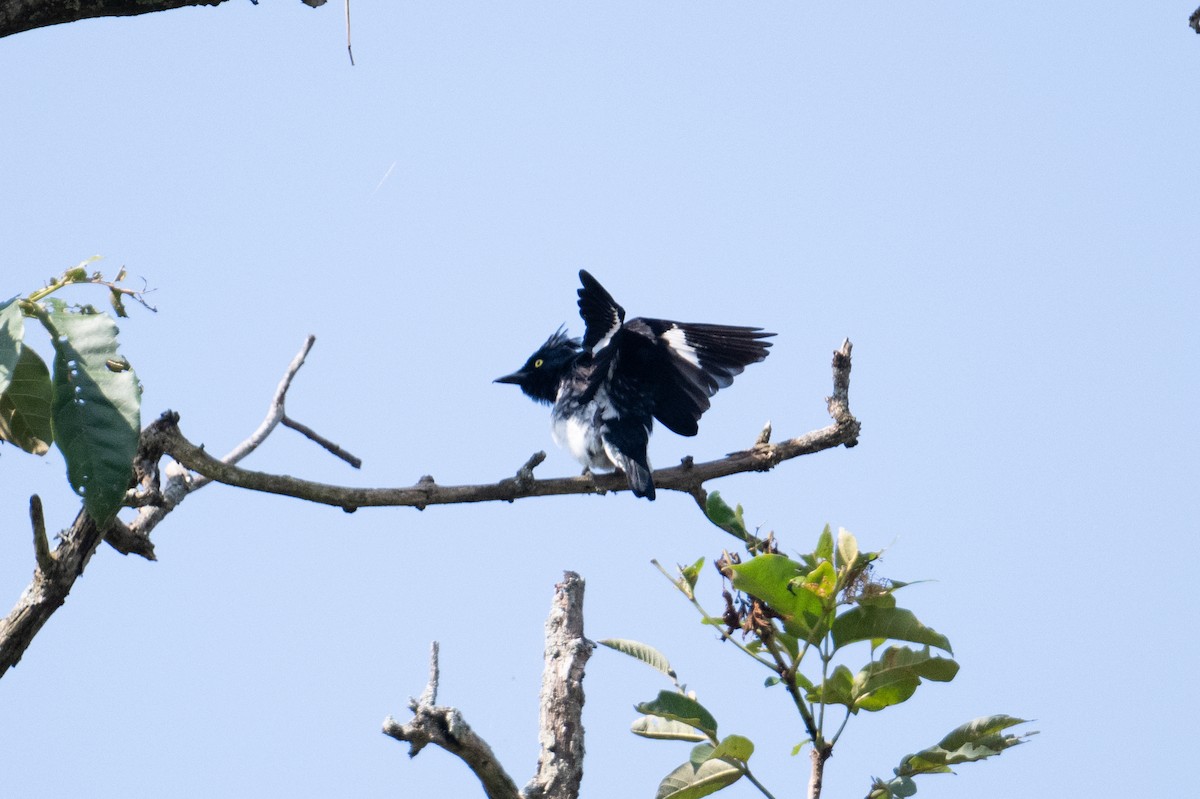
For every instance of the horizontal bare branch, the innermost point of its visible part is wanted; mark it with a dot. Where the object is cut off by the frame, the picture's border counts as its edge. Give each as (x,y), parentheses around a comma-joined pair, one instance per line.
(688,477)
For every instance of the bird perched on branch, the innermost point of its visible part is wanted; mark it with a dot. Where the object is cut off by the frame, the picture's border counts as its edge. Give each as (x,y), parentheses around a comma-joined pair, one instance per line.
(608,389)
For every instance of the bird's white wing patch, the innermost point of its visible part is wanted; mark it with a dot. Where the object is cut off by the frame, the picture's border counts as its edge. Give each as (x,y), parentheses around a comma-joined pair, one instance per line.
(676,339)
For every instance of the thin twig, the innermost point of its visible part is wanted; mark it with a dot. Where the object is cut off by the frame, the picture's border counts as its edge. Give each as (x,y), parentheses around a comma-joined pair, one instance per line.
(274,413)
(317,438)
(41,547)
(429,695)
(445,727)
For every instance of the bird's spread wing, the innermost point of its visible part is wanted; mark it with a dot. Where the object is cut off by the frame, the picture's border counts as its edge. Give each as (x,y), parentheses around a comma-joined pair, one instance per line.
(602,317)
(688,363)
(655,369)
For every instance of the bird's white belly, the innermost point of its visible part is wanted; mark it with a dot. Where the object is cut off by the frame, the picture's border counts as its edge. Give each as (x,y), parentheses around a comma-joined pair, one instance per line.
(579,434)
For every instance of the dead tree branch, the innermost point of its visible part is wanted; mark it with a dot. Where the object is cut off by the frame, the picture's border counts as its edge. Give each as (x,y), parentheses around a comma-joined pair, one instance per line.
(560,765)
(53,578)
(57,570)
(445,727)
(17,16)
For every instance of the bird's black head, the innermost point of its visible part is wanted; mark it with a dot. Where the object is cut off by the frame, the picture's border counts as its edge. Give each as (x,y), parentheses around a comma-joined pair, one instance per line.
(541,374)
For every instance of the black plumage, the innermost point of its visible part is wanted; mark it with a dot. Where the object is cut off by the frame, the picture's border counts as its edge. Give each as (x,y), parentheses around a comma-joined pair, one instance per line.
(608,388)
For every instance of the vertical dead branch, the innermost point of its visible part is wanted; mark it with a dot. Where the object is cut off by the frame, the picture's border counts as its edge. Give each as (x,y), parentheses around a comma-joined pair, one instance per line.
(560,765)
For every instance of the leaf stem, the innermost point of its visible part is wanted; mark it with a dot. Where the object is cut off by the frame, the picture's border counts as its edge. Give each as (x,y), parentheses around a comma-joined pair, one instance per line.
(755,782)
(788,675)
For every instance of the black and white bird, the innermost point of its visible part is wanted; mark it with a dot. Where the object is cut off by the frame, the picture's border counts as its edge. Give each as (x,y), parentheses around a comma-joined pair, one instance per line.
(608,389)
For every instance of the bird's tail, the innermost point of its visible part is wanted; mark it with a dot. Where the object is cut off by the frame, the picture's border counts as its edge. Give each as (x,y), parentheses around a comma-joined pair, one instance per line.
(640,481)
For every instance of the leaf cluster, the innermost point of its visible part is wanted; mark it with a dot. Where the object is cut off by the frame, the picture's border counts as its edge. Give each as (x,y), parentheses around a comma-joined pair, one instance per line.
(803,617)
(89,405)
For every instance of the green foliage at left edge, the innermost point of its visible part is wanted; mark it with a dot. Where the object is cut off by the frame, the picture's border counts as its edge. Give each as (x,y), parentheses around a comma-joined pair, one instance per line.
(96,411)
(25,390)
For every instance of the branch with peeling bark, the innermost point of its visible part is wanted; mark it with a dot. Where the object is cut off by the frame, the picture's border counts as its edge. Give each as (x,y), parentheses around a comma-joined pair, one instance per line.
(560,764)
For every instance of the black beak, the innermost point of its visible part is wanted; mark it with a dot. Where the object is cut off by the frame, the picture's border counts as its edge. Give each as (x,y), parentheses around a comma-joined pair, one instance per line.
(516,378)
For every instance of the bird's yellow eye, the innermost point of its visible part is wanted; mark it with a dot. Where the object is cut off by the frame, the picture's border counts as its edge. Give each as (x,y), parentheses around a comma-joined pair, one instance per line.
(537,364)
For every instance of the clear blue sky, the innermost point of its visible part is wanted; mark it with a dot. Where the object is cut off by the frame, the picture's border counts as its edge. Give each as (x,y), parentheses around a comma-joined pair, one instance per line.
(998,207)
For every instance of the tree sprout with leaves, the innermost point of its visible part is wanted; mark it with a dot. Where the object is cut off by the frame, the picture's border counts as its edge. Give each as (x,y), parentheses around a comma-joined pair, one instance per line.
(787,613)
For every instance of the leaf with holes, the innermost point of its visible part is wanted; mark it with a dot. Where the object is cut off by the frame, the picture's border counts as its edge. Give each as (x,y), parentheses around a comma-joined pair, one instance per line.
(96,409)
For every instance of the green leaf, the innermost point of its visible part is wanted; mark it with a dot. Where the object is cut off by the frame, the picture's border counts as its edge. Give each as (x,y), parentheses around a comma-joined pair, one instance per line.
(700,753)
(692,573)
(728,519)
(835,690)
(691,781)
(24,386)
(894,677)
(847,549)
(661,729)
(824,550)
(976,740)
(867,622)
(25,405)
(899,788)
(789,643)
(643,652)
(983,730)
(772,579)
(822,580)
(96,410)
(734,747)
(670,705)
(12,334)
